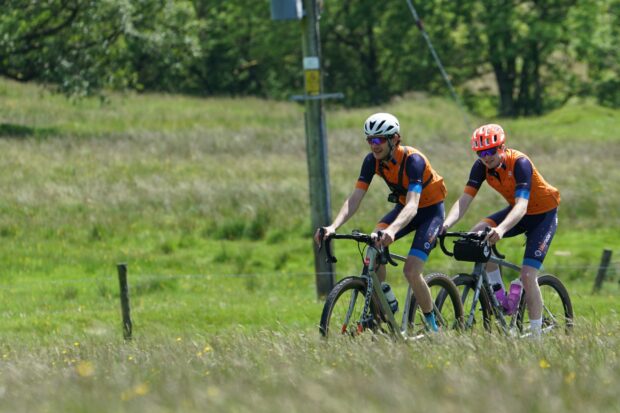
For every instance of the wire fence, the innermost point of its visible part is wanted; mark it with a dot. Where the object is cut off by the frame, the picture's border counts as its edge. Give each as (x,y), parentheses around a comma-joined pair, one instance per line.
(163,299)
(612,269)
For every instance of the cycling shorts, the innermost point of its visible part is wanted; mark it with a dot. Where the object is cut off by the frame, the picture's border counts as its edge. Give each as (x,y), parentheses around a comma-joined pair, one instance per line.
(427,223)
(539,230)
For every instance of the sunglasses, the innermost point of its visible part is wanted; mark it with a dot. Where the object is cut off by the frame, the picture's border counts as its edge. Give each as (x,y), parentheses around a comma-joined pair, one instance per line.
(487,152)
(376,140)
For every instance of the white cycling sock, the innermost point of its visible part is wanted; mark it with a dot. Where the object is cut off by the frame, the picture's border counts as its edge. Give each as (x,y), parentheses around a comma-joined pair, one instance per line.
(495,277)
(536,326)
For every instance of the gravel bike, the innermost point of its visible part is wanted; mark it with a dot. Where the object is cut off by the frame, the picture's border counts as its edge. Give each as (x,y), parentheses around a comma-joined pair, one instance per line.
(477,293)
(357,304)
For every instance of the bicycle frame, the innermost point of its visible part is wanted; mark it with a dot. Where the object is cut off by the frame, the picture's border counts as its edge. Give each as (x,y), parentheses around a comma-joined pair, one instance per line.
(473,253)
(482,281)
(374,256)
(370,274)
(405,322)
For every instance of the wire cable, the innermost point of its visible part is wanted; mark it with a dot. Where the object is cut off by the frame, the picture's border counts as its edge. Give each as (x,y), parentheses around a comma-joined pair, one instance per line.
(444,74)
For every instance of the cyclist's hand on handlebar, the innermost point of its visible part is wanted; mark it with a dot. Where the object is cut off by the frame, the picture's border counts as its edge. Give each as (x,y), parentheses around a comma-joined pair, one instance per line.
(327,232)
(387,237)
(444,228)
(494,235)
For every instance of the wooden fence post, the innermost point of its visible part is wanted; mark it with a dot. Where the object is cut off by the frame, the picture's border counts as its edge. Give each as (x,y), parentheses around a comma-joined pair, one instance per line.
(602,271)
(124,288)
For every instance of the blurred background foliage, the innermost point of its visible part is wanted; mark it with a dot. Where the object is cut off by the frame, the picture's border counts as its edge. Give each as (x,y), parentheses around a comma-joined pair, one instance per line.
(506,57)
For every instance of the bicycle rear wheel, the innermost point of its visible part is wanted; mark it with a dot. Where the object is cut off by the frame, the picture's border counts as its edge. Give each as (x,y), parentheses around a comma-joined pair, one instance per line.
(477,315)
(447,306)
(342,312)
(557,307)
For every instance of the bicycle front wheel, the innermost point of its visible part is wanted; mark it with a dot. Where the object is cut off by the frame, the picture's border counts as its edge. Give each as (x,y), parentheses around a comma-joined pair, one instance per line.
(447,306)
(344,307)
(557,311)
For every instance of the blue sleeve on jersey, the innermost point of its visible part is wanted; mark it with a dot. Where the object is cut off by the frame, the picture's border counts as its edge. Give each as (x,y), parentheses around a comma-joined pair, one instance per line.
(523,178)
(415,171)
(477,175)
(368,169)
(522,193)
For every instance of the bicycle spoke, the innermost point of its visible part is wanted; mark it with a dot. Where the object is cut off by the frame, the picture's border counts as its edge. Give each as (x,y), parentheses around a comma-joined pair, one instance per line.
(344,309)
(351,308)
(557,312)
(446,306)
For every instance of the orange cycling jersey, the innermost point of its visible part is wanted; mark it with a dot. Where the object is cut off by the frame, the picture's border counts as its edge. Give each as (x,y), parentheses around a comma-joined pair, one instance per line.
(542,196)
(400,180)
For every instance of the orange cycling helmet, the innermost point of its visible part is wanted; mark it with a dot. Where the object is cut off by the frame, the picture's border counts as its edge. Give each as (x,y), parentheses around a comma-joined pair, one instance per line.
(487,137)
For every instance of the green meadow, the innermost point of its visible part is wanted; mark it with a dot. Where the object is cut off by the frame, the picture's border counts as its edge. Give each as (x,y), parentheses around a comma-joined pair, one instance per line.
(206,201)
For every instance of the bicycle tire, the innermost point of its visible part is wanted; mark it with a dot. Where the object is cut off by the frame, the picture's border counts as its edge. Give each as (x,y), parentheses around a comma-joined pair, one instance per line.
(466,284)
(557,306)
(337,304)
(448,317)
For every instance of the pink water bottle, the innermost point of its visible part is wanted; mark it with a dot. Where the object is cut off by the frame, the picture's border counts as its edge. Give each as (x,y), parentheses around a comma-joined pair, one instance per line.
(514,296)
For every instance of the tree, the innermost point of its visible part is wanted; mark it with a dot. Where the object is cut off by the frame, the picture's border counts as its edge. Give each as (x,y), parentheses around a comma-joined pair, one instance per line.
(373,52)
(537,50)
(595,27)
(523,42)
(64,42)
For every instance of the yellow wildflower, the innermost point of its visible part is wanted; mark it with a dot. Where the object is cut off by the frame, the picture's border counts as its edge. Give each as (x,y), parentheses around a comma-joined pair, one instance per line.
(85,368)
(570,377)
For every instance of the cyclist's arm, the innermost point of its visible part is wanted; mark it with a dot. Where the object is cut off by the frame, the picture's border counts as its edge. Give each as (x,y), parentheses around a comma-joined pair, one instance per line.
(346,211)
(514,216)
(458,210)
(477,176)
(406,215)
(355,199)
(349,208)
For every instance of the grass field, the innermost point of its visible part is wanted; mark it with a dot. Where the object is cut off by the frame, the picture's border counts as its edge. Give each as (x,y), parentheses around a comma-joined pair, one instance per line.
(207,203)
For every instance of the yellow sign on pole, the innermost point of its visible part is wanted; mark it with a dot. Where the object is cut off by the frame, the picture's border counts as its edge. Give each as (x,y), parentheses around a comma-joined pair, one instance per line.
(313,84)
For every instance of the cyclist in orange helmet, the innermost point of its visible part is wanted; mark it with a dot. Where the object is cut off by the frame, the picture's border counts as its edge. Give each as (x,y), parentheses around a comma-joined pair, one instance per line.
(532,211)
(416,189)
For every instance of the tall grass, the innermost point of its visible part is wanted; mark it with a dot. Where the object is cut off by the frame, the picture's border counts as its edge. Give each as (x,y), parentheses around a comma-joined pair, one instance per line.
(292,370)
(207,203)
(175,185)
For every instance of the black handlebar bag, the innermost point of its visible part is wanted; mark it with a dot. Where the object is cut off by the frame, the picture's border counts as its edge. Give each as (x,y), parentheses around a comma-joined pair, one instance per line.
(472,250)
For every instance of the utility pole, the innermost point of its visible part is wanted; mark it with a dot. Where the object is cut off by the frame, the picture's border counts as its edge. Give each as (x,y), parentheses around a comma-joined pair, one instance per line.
(306,11)
(316,145)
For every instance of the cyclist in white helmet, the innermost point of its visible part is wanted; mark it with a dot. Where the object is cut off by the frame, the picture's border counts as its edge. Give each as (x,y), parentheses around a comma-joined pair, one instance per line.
(416,189)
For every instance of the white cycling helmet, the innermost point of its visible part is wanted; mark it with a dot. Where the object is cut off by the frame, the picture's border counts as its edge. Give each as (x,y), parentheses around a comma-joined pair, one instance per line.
(382,124)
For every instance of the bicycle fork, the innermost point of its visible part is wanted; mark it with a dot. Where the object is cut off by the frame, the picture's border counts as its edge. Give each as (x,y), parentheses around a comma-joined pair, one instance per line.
(472,312)
(373,284)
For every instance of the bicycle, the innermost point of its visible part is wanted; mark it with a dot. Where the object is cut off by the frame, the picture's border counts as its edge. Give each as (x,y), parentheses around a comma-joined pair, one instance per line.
(476,289)
(357,303)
